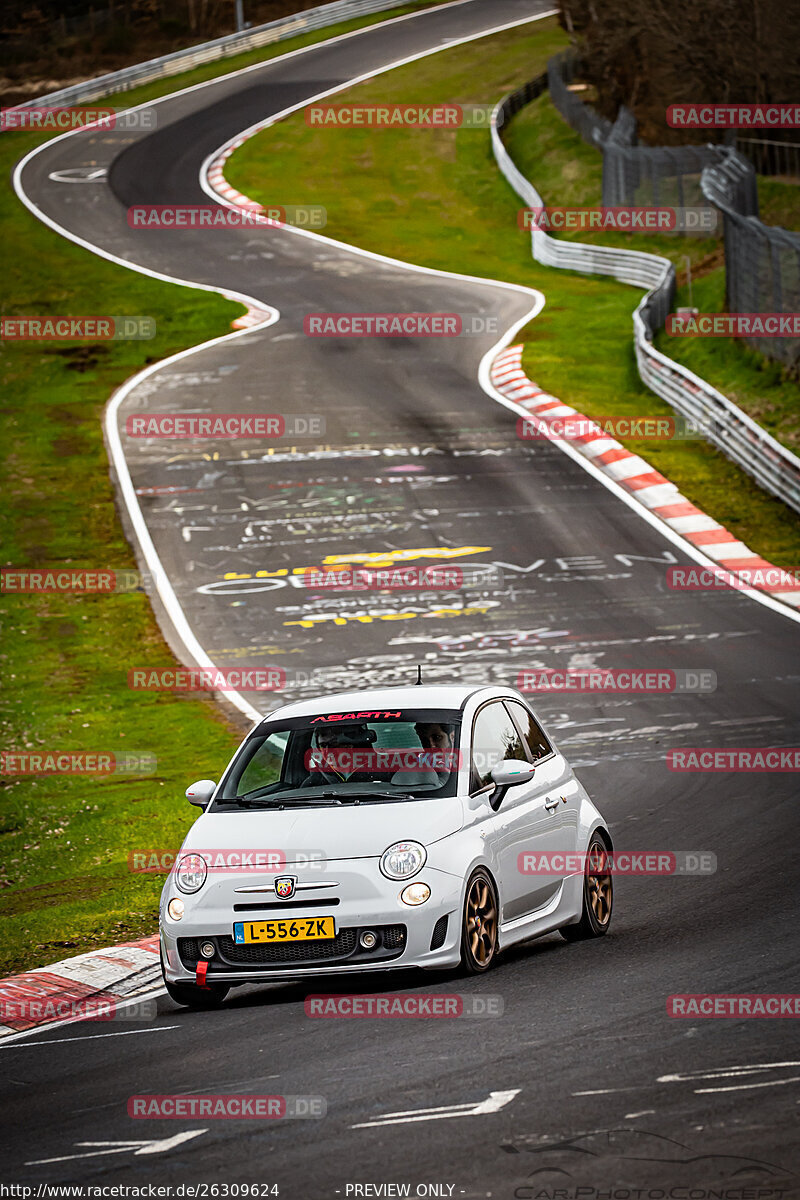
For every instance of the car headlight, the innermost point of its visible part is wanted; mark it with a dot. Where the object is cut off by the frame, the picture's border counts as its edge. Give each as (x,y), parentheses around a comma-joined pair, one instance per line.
(190,873)
(402,860)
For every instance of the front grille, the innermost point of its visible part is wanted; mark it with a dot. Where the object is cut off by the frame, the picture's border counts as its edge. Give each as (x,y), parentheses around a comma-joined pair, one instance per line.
(392,940)
(439,933)
(293,952)
(394,936)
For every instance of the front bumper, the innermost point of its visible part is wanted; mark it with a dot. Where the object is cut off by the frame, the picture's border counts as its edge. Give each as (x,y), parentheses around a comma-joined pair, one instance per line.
(428,935)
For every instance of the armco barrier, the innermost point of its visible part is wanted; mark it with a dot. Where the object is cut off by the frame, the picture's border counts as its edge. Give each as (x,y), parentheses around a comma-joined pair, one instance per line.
(740,438)
(224,47)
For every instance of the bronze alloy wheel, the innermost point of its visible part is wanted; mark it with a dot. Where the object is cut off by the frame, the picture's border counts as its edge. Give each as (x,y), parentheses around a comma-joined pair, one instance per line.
(479,936)
(598,883)
(598,895)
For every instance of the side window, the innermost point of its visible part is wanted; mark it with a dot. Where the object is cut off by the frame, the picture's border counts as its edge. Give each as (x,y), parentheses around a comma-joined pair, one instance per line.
(265,765)
(494,738)
(532,733)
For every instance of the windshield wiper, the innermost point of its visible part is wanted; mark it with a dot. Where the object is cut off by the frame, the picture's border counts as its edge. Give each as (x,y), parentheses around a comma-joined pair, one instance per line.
(265,801)
(357,797)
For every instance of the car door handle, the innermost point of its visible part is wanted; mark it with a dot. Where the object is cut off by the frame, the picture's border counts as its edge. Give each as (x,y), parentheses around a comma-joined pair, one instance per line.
(551,804)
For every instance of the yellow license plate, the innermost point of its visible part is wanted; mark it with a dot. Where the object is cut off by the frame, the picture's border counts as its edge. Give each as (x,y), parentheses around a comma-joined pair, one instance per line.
(301,929)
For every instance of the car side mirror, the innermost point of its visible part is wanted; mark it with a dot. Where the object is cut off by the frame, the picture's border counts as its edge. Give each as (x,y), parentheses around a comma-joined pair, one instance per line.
(200,793)
(506,774)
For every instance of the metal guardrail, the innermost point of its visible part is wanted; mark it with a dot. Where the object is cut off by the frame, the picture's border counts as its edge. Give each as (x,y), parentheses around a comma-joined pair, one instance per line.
(762,262)
(740,438)
(205,52)
(632,174)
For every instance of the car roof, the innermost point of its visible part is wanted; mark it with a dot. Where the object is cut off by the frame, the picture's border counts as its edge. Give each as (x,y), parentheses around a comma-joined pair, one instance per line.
(380,699)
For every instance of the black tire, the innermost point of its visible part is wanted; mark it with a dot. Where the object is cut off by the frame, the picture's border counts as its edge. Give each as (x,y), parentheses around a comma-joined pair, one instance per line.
(598,896)
(192,996)
(479,924)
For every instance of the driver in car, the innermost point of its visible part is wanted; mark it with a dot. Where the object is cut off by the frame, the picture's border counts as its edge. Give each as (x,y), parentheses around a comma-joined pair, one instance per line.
(340,746)
(437,738)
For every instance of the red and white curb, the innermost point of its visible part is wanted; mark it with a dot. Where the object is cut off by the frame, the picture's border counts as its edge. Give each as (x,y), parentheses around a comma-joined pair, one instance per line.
(648,487)
(94,982)
(253,316)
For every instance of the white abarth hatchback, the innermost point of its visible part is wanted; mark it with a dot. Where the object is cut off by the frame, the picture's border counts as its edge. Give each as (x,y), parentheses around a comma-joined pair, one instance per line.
(392,828)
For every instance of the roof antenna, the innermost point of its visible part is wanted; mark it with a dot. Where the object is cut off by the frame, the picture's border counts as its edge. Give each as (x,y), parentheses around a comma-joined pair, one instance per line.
(419,675)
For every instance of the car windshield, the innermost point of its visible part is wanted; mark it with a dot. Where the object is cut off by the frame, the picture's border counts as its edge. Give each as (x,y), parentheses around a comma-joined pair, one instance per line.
(346,758)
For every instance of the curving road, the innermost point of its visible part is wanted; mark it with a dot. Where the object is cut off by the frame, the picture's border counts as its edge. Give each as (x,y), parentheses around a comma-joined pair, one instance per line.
(608,1091)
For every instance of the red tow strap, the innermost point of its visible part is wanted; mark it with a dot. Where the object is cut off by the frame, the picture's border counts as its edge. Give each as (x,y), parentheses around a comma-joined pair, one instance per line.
(200,973)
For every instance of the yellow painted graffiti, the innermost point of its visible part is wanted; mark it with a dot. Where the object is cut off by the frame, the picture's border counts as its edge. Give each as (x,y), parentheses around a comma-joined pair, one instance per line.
(373,558)
(367,618)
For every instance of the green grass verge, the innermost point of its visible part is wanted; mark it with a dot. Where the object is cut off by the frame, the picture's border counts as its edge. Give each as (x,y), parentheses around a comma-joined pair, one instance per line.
(436,198)
(64,841)
(565,170)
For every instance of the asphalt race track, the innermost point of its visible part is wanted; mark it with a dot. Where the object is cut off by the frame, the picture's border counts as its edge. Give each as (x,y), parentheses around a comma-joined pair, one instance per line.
(601,1089)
